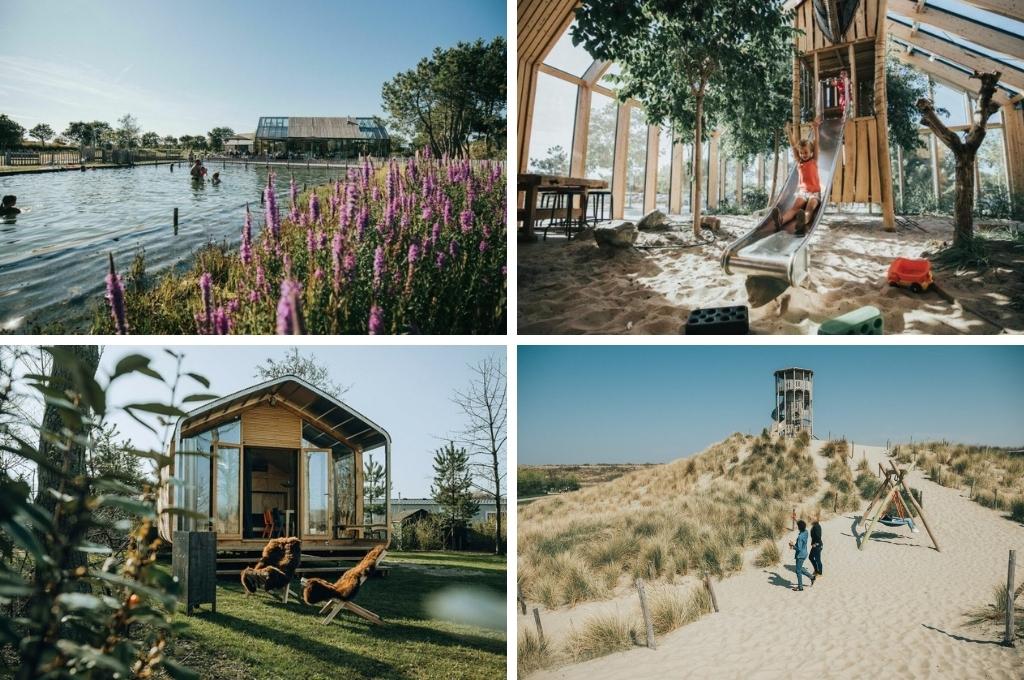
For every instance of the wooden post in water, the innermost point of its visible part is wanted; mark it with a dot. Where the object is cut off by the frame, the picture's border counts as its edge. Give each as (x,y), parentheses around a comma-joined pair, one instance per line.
(536,618)
(175,218)
(261,198)
(648,624)
(1008,636)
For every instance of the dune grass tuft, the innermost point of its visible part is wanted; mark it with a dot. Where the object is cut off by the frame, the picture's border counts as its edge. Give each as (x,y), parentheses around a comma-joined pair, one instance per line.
(671,609)
(768,555)
(600,635)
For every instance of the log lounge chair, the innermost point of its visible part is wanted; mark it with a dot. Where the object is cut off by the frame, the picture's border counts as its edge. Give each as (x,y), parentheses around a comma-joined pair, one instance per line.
(276,568)
(339,595)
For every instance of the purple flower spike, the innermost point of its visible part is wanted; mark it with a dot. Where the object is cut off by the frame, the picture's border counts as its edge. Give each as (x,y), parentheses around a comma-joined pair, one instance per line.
(270,201)
(115,296)
(414,252)
(289,311)
(245,250)
(376,322)
(206,288)
(466,220)
(378,266)
(314,208)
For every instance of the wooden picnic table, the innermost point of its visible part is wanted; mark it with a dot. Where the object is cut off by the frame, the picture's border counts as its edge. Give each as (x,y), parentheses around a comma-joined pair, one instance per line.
(532,184)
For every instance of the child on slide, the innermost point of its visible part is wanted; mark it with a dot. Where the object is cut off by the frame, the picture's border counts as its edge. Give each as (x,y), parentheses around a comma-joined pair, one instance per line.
(808,196)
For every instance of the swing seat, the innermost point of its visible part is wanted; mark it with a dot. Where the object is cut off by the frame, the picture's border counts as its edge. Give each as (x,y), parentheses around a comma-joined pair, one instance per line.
(890,521)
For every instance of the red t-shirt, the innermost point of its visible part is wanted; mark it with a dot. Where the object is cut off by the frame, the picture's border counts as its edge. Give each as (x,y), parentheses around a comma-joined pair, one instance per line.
(809,180)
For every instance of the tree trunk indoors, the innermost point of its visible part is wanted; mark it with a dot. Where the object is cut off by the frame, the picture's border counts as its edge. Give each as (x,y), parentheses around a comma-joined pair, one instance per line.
(964,151)
(698,163)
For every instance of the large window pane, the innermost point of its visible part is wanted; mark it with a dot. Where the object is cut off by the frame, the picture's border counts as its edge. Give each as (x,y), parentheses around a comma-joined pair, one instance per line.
(952,101)
(316,492)
(636,164)
(664,181)
(227,518)
(343,461)
(554,115)
(566,57)
(601,137)
(193,469)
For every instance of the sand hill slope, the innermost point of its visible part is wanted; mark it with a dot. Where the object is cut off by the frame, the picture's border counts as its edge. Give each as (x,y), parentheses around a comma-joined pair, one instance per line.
(896,609)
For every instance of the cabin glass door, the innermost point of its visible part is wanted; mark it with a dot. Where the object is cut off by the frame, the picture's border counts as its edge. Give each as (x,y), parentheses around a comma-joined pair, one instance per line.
(317,497)
(228,518)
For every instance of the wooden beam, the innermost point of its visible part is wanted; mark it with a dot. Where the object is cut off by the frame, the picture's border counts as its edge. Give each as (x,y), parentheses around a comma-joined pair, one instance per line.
(1013,137)
(881,151)
(920,511)
(319,424)
(966,57)
(651,169)
(1000,41)
(675,192)
(948,75)
(1012,9)
(580,132)
(853,93)
(619,159)
(713,171)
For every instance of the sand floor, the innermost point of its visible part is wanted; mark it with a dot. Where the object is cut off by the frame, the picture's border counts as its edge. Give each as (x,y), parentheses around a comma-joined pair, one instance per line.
(575,287)
(896,609)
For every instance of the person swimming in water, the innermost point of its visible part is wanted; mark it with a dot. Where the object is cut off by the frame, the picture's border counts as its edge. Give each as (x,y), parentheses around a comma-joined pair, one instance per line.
(215,180)
(7,208)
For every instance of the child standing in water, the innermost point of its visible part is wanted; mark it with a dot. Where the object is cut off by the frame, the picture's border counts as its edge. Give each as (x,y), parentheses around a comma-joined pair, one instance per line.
(808,196)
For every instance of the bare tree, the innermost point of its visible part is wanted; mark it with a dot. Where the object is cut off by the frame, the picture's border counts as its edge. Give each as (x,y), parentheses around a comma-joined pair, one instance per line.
(484,404)
(310,368)
(964,151)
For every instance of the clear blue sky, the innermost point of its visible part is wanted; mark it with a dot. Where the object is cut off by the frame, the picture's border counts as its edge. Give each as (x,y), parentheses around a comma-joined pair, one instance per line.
(185,67)
(405,390)
(604,404)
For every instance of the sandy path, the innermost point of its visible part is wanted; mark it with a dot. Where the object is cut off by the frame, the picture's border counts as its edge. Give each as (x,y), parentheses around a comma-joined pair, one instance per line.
(896,608)
(577,288)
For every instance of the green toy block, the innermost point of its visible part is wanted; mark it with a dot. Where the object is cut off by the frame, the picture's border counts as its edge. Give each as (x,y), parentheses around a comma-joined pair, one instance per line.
(863,321)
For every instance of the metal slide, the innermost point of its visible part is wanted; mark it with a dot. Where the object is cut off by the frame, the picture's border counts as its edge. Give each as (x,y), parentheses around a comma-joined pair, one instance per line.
(766,252)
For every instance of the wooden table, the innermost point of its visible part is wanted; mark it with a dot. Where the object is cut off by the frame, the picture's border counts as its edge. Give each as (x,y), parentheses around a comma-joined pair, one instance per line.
(531,184)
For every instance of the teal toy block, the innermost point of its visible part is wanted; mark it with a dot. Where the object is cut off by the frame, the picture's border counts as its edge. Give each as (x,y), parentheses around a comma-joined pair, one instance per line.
(863,321)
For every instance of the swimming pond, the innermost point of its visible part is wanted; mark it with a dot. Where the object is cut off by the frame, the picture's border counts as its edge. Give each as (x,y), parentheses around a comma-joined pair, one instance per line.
(53,256)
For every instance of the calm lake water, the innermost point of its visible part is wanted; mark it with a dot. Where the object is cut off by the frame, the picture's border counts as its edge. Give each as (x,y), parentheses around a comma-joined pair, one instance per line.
(53,257)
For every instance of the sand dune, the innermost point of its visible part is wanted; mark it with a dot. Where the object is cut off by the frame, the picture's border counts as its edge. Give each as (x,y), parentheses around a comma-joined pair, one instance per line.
(577,288)
(894,609)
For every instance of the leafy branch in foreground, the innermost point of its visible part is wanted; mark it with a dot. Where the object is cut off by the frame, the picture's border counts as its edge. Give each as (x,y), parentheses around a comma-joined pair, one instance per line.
(71,606)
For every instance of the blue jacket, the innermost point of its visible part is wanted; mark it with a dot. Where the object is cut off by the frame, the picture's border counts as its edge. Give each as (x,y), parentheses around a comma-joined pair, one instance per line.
(801,545)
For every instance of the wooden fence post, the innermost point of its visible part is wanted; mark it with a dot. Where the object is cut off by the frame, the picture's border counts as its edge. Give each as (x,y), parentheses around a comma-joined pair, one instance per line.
(536,618)
(1008,637)
(648,625)
(522,600)
(711,591)
(175,217)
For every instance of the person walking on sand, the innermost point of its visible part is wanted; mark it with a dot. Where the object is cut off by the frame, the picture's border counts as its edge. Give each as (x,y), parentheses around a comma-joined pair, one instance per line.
(800,554)
(816,546)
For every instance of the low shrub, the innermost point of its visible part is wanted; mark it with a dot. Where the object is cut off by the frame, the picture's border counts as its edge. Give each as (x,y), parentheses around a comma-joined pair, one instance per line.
(601,635)
(534,652)
(768,556)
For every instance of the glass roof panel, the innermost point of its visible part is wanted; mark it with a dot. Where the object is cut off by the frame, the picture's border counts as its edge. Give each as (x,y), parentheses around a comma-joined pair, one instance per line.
(954,102)
(566,57)
(981,15)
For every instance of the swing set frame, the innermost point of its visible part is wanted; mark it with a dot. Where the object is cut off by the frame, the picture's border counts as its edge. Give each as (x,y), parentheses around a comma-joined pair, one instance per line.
(890,491)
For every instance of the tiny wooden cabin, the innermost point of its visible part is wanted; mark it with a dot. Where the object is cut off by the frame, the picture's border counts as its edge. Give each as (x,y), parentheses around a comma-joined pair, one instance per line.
(282,451)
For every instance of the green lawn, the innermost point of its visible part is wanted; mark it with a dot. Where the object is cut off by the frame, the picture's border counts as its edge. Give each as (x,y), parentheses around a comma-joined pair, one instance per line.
(261,637)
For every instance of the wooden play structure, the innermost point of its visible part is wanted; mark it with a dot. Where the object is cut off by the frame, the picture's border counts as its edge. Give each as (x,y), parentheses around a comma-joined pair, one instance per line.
(891,493)
(278,459)
(947,43)
(850,36)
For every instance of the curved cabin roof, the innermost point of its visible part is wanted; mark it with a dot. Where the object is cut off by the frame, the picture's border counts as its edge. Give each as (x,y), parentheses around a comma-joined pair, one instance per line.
(336,419)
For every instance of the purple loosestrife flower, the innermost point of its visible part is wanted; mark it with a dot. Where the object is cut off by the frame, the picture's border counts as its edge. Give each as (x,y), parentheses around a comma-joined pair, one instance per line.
(115,296)
(428,212)
(270,200)
(349,267)
(484,246)
(310,240)
(470,193)
(245,250)
(414,252)
(439,261)
(376,322)
(446,211)
(222,323)
(378,266)
(314,208)
(206,288)
(293,192)
(336,244)
(289,311)
(318,275)
(453,248)
(466,220)
(363,221)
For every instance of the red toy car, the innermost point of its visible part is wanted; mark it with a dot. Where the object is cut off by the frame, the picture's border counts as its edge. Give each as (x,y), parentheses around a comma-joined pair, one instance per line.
(910,273)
